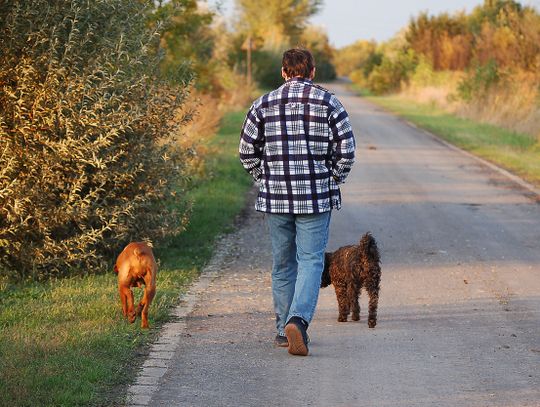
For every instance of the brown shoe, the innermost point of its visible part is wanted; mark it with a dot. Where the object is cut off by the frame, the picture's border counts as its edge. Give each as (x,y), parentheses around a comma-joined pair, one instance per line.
(297,336)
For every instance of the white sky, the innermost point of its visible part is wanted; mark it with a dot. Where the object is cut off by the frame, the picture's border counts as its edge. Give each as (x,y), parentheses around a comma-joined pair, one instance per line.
(349,20)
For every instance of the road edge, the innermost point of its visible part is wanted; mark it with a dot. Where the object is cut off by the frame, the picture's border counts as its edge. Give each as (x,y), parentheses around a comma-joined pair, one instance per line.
(515,178)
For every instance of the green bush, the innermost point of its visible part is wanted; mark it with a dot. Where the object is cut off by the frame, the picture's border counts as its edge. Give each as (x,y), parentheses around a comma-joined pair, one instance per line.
(86,135)
(267,68)
(389,75)
(478,80)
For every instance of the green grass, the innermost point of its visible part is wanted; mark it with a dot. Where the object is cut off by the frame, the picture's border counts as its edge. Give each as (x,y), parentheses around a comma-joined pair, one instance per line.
(65,343)
(518,153)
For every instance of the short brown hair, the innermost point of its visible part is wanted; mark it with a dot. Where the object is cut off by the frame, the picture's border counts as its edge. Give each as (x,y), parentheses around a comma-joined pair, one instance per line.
(298,62)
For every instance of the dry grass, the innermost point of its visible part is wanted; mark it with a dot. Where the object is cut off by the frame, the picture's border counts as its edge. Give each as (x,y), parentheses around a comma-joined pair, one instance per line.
(514,104)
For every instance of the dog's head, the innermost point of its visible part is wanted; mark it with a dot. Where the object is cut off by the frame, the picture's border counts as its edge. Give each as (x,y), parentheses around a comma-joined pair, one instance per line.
(325,278)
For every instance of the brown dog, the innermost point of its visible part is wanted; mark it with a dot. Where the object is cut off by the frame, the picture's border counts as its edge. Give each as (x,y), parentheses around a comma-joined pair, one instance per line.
(136,266)
(349,269)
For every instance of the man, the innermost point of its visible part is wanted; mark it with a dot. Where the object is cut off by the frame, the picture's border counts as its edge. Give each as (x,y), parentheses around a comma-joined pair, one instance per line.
(298,144)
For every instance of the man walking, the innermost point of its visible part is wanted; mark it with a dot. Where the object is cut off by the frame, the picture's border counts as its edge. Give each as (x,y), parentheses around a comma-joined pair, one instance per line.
(298,144)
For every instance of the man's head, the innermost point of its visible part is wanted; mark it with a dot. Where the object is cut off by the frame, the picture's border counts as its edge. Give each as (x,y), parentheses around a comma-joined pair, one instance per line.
(298,62)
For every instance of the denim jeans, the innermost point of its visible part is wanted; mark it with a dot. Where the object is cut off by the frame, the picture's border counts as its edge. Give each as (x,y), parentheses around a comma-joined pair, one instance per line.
(298,245)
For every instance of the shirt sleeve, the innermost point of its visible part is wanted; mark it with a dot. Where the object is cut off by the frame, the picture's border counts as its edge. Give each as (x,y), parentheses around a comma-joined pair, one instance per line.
(343,145)
(252,144)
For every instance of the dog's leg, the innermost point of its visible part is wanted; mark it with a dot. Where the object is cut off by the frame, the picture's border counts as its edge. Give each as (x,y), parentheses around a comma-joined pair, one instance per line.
(355,305)
(373,287)
(131,314)
(373,303)
(343,302)
(149,293)
(126,296)
(123,300)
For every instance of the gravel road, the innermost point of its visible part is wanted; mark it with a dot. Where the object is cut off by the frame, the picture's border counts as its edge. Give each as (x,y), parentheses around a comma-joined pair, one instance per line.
(459,311)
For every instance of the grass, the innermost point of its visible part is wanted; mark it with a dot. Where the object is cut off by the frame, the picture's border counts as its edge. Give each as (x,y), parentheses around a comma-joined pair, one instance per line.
(518,153)
(64,342)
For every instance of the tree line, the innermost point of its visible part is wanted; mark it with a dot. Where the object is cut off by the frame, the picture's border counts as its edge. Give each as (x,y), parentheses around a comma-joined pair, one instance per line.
(496,40)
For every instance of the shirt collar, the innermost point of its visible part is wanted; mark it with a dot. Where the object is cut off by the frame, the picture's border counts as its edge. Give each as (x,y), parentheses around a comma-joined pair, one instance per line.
(299,79)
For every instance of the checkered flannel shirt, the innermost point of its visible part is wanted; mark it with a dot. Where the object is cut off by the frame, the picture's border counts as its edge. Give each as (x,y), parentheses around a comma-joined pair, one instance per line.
(297,143)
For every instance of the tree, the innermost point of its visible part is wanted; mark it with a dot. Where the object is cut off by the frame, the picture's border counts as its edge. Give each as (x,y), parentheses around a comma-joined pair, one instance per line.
(277,22)
(316,40)
(188,41)
(354,56)
(444,40)
(274,27)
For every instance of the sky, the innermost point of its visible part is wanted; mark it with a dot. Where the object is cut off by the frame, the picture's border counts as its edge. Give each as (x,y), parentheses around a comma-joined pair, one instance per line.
(347,21)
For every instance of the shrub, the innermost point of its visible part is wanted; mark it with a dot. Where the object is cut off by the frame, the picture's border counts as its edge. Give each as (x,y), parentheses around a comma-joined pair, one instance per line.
(86,156)
(479,80)
(389,75)
(267,68)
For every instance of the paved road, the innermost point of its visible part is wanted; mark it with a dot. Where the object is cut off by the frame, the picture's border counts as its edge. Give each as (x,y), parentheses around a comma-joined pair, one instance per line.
(459,315)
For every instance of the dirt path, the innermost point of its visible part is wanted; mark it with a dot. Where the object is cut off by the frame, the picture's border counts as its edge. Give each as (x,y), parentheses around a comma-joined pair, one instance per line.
(459,315)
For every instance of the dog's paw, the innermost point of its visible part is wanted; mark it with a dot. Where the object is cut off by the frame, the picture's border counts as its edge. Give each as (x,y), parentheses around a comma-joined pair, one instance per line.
(342,319)
(355,317)
(372,323)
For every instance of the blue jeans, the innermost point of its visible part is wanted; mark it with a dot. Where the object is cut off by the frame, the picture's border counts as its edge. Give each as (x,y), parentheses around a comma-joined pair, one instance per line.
(298,245)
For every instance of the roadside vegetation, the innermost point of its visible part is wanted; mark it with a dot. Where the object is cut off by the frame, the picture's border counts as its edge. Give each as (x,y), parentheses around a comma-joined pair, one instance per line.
(119,121)
(64,341)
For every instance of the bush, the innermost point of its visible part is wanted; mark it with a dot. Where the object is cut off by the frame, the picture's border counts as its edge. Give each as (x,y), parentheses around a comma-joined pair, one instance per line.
(479,80)
(86,156)
(389,75)
(267,68)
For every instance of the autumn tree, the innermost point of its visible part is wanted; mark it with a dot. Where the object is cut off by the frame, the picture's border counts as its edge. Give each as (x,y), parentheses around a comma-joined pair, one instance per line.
(354,56)
(443,39)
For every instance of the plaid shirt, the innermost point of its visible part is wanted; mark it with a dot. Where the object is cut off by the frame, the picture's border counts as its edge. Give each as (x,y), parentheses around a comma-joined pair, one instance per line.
(297,142)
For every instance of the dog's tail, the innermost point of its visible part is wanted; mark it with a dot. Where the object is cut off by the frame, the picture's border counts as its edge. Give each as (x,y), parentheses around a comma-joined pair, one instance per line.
(369,249)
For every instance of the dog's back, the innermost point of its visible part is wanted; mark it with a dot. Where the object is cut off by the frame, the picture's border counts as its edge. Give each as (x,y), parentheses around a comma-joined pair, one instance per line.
(135,261)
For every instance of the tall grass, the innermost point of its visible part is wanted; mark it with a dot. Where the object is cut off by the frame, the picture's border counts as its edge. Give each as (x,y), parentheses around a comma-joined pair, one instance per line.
(65,343)
(513,102)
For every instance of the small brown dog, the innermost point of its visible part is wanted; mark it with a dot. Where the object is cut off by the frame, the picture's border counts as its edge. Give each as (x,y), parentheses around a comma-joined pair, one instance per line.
(349,269)
(136,266)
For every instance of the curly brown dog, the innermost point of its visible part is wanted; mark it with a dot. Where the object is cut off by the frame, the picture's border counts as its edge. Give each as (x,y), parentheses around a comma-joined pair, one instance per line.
(349,269)
(136,266)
